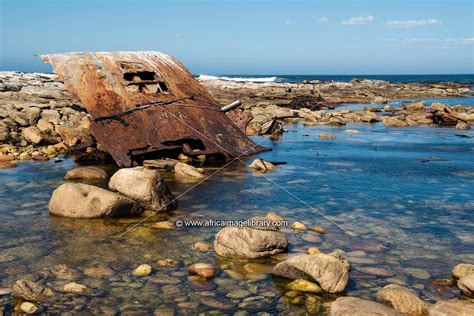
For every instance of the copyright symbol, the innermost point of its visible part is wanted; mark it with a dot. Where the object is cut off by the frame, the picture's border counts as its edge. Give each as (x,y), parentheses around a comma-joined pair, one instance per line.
(179,223)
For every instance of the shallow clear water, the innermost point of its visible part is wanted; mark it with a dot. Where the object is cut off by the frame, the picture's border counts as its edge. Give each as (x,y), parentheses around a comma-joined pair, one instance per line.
(412,220)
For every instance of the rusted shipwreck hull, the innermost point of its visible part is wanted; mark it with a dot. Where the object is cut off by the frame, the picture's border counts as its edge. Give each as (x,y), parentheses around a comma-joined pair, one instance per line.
(148,105)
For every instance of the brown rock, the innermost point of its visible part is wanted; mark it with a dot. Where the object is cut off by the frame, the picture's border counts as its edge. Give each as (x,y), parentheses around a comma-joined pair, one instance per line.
(204,270)
(30,291)
(262,165)
(32,135)
(452,308)
(318,229)
(466,285)
(88,174)
(402,299)
(345,306)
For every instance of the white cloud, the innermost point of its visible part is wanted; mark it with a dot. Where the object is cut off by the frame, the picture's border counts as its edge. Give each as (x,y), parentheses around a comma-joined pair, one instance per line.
(289,22)
(358,20)
(412,23)
(445,42)
(323,20)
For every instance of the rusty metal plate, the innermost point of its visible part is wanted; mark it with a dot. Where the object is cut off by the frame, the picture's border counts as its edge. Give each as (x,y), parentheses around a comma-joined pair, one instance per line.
(166,109)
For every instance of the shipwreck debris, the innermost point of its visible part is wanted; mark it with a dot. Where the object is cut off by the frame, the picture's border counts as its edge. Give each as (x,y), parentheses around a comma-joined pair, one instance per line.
(147,105)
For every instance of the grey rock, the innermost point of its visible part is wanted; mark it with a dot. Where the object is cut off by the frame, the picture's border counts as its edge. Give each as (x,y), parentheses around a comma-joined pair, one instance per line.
(80,200)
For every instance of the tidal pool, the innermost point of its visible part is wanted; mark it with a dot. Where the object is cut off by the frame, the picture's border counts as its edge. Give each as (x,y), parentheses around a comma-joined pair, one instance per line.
(397,217)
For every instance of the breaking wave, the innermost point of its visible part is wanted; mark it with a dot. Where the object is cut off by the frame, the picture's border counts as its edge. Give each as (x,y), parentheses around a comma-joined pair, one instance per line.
(239,79)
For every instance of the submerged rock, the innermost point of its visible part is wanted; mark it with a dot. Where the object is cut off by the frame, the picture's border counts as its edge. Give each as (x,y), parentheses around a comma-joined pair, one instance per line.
(327,136)
(142,270)
(328,270)
(304,286)
(86,174)
(345,306)
(463,126)
(80,200)
(74,288)
(28,307)
(30,291)
(451,308)
(204,270)
(462,269)
(144,186)
(250,242)
(402,299)
(184,171)
(202,246)
(262,165)
(298,226)
(466,285)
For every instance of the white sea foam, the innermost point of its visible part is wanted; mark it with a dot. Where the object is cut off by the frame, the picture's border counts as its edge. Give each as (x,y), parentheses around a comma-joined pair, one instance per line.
(262,79)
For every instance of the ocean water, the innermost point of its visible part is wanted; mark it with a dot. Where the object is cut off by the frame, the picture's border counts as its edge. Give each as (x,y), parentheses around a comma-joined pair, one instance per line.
(463,78)
(395,217)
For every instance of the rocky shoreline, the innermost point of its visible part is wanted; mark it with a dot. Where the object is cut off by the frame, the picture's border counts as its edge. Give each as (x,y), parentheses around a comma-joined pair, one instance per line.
(39,118)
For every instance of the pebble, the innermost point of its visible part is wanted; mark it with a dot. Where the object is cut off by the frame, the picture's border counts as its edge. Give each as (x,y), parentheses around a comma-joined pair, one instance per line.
(142,270)
(327,136)
(274,217)
(238,294)
(376,271)
(318,229)
(5,291)
(257,268)
(304,286)
(202,246)
(28,307)
(164,225)
(418,273)
(98,272)
(204,270)
(39,158)
(298,226)
(74,288)
(166,262)
(351,131)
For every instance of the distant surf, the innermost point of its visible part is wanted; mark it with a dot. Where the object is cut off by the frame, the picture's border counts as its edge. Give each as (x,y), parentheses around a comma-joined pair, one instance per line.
(238,79)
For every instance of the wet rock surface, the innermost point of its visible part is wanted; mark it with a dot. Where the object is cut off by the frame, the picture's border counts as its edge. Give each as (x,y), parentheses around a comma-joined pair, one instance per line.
(328,270)
(250,242)
(402,299)
(144,186)
(356,306)
(86,201)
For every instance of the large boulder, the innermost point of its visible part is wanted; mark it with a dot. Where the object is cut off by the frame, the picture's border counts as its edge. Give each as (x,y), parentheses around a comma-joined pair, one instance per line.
(345,306)
(452,308)
(144,186)
(185,172)
(328,270)
(402,299)
(466,285)
(32,134)
(80,200)
(86,174)
(250,242)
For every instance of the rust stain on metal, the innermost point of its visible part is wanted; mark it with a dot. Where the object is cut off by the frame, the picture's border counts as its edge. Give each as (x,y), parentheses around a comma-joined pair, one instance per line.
(147,105)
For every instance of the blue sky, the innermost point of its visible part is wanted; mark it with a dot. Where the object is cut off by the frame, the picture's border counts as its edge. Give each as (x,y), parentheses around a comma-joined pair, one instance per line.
(250,37)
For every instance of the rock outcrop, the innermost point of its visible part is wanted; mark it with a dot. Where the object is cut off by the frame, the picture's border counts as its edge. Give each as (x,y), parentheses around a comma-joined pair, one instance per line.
(80,200)
(144,186)
(345,306)
(328,270)
(250,242)
(402,299)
